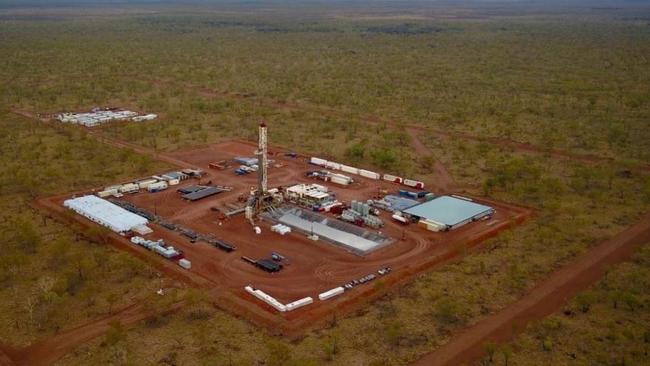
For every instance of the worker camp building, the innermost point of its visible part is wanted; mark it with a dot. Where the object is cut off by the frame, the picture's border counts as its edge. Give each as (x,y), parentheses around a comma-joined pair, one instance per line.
(448,213)
(107,214)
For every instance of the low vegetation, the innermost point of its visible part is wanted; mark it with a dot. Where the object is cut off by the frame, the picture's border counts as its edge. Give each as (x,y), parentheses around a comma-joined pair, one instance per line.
(605,325)
(55,276)
(579,85)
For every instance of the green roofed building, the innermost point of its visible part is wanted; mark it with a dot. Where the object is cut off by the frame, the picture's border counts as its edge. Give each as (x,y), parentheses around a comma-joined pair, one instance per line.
(446,212)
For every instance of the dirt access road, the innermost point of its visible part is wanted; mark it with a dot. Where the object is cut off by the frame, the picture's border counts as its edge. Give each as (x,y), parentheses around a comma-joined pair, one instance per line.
(445,181)
(467,347)
(49,350)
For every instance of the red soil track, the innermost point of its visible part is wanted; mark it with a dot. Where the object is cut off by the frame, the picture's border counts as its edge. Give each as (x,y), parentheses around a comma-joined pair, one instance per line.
(444,179)
(48,351)
(548,296)
(503,142)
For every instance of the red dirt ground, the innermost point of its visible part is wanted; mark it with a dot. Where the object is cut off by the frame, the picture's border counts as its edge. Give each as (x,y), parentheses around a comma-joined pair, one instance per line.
(467,347)
(315,266)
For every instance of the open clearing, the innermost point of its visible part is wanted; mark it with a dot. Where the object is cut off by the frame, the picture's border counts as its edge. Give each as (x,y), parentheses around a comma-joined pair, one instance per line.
(314,266)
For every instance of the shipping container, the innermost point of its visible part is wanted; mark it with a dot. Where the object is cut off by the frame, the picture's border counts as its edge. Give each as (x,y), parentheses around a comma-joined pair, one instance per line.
(331,293)
(369,174)
(333,165)
(340,180)
(185,263)
(299,303)
(174,182)
(400,219)
(349,169)
(393,178)
(317,161)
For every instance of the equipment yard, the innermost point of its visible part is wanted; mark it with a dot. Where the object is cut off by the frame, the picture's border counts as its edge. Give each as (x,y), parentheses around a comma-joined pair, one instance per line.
(310,267)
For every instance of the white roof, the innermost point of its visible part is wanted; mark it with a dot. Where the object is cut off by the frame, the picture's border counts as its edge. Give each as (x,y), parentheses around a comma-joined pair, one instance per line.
(105,213)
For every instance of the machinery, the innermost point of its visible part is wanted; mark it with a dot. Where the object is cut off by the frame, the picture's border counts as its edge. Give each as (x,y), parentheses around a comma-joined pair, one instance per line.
(261,198)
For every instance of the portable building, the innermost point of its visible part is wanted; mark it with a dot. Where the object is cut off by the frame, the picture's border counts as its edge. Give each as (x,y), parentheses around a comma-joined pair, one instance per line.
(146,117)
(340,180)
(331,293)
(143,184)
(106,193)
(129,188)
(157,187)
(185,263)
(318,161)
(299,303)
(413,183)
(349,169)
(105,213)
(393,178)
(369,174)
(333,165)
(266,298)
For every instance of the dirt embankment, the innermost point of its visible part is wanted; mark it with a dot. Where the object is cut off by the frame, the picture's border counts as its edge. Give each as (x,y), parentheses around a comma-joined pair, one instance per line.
(467,347)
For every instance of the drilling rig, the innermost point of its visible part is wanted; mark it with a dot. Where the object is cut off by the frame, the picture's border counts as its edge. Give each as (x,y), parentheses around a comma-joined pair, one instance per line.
(258,199)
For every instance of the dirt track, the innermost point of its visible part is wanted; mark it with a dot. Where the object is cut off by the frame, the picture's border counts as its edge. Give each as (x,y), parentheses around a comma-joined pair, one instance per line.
(48,351)
(444,179)
(466,347)
(503,142)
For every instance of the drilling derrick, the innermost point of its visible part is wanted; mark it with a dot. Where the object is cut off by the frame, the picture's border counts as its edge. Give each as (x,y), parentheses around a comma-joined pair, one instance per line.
(262,162)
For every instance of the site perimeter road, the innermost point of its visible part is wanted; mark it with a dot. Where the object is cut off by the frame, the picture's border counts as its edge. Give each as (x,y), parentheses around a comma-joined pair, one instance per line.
(467,346)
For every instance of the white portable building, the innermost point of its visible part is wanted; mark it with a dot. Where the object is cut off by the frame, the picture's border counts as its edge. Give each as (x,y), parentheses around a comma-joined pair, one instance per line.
(185,263)
(299,303)
(331,293)
(369,174)
(318,161)
(349,169)
(105,213)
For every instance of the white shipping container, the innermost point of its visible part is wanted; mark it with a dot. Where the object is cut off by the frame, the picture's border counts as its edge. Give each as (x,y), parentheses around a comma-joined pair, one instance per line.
(400,218)
(185,263)
(299,303)
(333,165)
(318,161)
(393,178)
(331,293)
(340,180)
(266,298)
(349,169)
(369,174)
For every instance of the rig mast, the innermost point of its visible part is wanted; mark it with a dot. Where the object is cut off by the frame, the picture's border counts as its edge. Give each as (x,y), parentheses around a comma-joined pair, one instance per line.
(262,162)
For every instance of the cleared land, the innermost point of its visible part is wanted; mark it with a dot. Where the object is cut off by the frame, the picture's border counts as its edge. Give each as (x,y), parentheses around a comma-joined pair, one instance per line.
(315,266)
